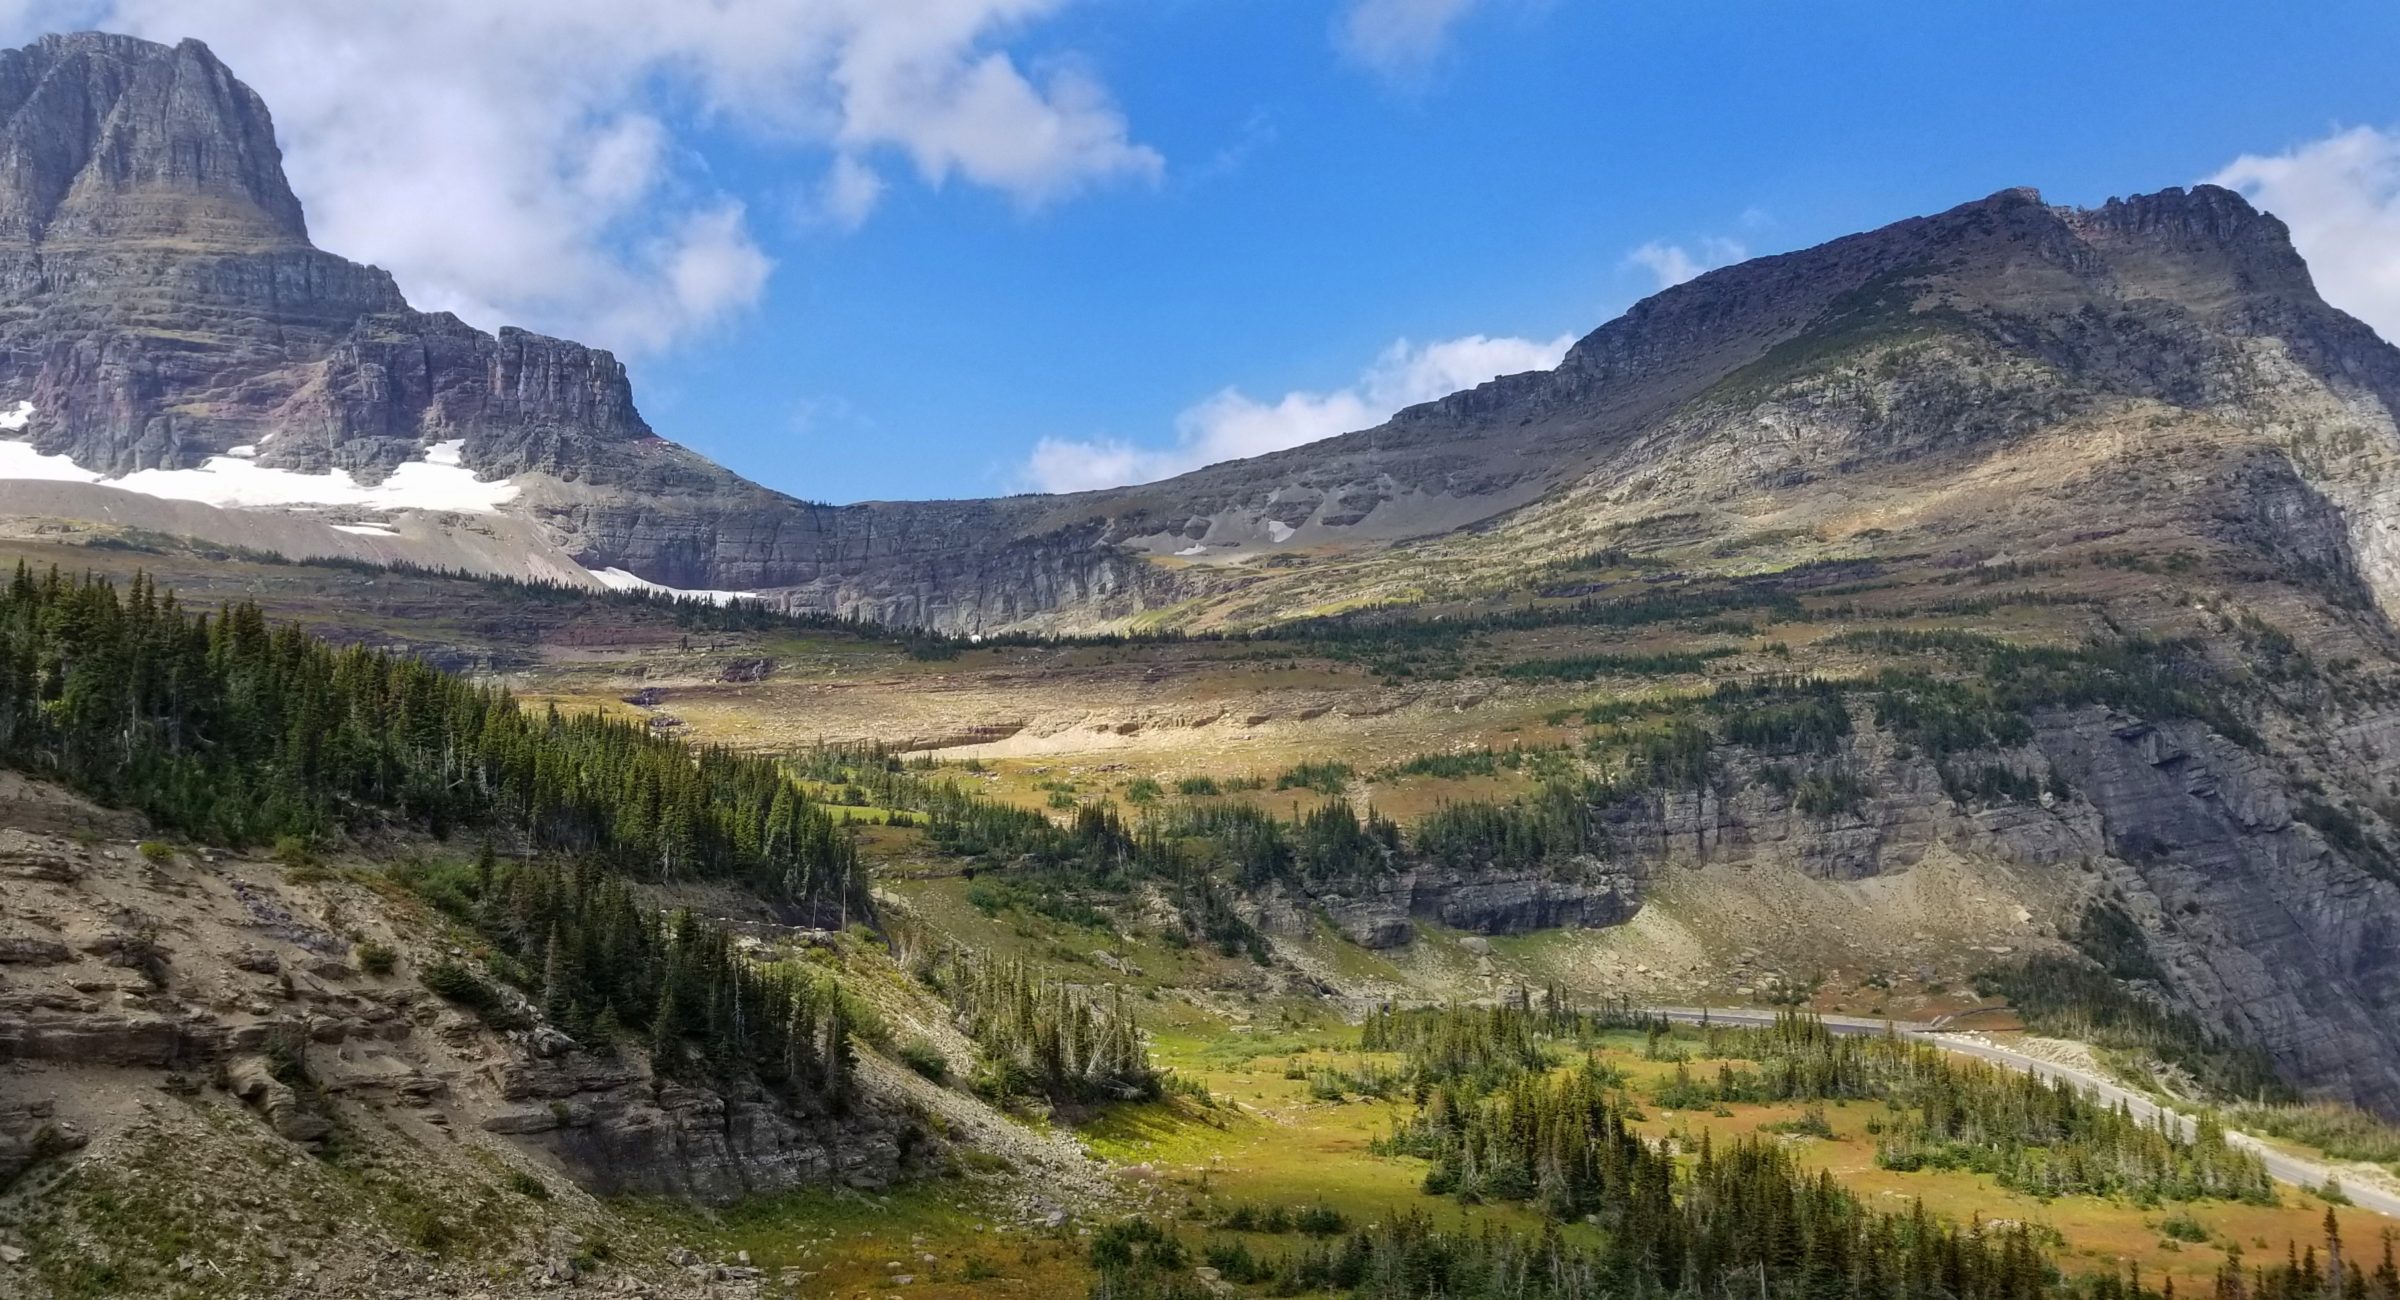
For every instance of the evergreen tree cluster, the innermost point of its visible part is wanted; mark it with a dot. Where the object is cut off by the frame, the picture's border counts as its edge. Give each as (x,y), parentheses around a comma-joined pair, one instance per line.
(1044,1037)
(601,967)
(1485,1046)
(1488,1044)
(227,729)
(2049,1139)
(1749,1227)
(2045,1137)
(1748,1217)
(873,776)
(2003,680)
(1784,715)
(1329,842)
(1192,850)
(2303,1275)
(1561,820)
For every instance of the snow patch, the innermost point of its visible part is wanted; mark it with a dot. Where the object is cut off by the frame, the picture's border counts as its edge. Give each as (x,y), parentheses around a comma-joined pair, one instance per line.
(365,530)
(616,579)
(234,481)
(20,460)
(447,453)
(16,417)
(1280,531)
(247,451)
(231,481)
(1193,550)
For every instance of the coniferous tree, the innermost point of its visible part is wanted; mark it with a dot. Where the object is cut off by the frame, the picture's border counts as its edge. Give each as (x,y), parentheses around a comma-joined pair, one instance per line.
(225,728)
(1041,1036)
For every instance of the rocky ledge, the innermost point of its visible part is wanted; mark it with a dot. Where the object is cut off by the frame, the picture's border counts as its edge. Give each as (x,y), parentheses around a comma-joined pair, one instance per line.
(219,974)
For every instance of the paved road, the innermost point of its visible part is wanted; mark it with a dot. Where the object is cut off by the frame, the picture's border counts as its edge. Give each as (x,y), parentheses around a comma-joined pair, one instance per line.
(2281,1166)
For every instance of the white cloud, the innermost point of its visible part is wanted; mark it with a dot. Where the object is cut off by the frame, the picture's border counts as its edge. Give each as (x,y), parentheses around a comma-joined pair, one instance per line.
(1405,375)
(685,278)
(1258,132)
(1231,424)
(1672,264)
(984,120)
(516,162)
(1397,37)
(852,191)
(1078,465)
(2341,197)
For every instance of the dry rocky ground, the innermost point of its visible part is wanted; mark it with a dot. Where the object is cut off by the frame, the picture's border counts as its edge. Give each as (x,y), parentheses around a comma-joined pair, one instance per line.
(211,1083)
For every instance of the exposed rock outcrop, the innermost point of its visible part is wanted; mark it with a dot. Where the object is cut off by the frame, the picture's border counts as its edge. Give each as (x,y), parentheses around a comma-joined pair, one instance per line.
(628,1133)
(257,996)
(163,304)
(1588,893)
(2262,926)
(31,1131)
(252,1078)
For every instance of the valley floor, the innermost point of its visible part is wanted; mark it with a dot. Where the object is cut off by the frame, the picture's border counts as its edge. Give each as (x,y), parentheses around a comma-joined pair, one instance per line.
(1285,1131)
(1886,898)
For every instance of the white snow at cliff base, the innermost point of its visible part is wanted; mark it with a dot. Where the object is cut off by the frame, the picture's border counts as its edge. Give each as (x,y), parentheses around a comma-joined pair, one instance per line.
(438,482)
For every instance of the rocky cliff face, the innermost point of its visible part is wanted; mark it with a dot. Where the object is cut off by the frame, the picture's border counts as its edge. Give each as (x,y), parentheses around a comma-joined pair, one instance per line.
(2260,924)
(959,566)
(114,139)
(160,302)
(2258,921)
(117,967)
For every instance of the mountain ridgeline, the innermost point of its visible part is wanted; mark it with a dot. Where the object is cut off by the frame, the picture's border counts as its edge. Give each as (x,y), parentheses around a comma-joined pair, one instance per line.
(165,306)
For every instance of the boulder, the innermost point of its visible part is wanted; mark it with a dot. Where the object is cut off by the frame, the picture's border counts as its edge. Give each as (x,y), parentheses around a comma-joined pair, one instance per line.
(253,1079)
(32,950)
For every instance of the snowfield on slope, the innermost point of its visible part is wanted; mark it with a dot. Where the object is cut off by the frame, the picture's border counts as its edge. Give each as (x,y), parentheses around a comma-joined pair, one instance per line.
(439,482)
(616,579)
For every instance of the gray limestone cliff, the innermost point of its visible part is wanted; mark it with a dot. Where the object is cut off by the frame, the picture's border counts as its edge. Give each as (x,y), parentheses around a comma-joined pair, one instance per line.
(160,302)
(2262,927)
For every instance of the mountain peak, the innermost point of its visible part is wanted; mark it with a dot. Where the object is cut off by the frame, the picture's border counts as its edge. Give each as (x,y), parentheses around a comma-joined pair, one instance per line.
(2203,214)
(225,340)
(165,309)
(108,138)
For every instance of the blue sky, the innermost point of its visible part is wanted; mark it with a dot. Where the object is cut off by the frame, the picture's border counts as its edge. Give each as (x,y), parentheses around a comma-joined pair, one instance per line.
(1243,207)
